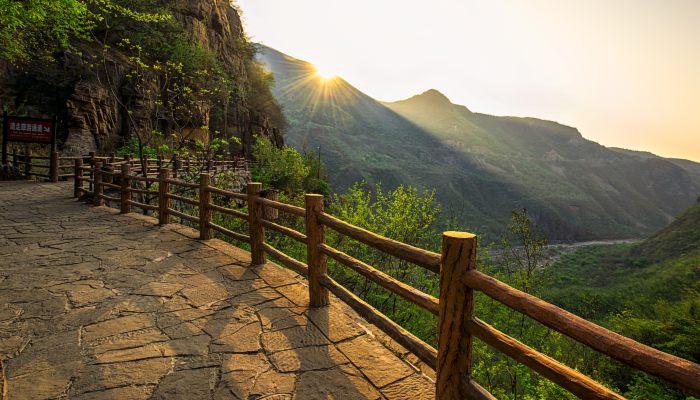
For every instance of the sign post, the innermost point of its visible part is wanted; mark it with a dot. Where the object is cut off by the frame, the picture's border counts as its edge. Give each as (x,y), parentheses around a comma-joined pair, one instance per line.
(4,138)
(28,130)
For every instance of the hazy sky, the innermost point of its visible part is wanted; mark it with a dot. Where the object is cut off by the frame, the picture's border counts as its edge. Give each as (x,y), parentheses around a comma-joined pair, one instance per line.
(625,72)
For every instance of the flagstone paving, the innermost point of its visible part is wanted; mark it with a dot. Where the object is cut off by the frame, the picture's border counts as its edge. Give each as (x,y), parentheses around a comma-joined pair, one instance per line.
(97,305)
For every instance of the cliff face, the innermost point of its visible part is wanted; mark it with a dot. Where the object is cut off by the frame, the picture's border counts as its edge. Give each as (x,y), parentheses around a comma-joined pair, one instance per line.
(90,105)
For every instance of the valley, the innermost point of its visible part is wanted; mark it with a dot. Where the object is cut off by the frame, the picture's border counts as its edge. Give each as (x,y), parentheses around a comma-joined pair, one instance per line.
(482,166)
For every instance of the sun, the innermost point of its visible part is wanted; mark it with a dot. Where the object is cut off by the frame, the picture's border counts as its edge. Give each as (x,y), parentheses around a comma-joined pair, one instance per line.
(324,72)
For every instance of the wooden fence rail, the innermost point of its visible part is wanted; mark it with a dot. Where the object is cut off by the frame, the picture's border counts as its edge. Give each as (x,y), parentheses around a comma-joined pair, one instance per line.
(455,266)
(54,166)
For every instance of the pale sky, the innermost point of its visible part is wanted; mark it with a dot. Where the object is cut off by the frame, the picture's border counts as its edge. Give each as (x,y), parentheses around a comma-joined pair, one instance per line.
(625,72)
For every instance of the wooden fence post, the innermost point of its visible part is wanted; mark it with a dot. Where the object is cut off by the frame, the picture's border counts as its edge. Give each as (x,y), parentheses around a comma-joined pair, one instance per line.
(78,183)
(97,192)
(205,231)
(315,236)
(174,165)
(92,170)
(270,213)
(143,161)
(125,193)
(54,166)
(454,361)
(28,163)
(256,230)
(112,158)
(163,199)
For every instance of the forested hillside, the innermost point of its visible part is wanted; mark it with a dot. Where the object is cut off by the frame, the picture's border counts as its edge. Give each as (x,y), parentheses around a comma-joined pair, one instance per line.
(649,291)
(481,166)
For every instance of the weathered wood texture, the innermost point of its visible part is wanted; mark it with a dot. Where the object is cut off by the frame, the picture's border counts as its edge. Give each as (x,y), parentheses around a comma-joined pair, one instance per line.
(108,185)
(475,391)
(421,257)
(456,309)
(683,373)
(143,205)
(144,191)
(233,235)
(409,293)
(184,216)
(296,235)
(78,182)
(125,192)
(110,199)
(288,208)
(256,230)
(183,199)
(97,177)
(422,350)
(271,213)
(229,211)
(147,179)
(180,182)
(163,200)
(228,193)
(28,164)
(288,261)
(54,166)
(571,380)
(315,236)
(205,231)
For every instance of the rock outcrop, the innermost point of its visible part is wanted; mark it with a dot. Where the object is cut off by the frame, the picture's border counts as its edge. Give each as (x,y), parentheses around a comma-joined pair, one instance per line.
(90,105)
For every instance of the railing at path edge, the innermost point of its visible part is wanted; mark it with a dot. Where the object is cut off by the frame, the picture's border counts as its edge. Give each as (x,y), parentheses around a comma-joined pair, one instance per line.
(456,267)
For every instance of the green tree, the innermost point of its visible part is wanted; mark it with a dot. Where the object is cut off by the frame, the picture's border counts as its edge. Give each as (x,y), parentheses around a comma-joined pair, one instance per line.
(523,253)
(39,29)
(279,168)
(522,264)
(287,170)
(406,214)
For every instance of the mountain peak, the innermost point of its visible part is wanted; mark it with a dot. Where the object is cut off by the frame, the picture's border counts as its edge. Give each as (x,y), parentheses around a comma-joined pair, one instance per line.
(433,95)
(432,100)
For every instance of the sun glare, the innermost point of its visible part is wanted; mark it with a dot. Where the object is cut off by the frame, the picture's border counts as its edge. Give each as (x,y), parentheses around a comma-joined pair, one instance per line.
(324,72)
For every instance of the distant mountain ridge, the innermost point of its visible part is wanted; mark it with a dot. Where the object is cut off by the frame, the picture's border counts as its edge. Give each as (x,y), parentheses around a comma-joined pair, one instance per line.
(481,166)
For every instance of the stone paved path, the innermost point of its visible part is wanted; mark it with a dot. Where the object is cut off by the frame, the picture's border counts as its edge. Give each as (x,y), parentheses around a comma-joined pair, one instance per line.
(97,305)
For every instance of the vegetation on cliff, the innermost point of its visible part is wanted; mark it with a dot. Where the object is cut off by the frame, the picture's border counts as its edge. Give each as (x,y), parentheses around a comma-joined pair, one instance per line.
(650,290)
(170,72)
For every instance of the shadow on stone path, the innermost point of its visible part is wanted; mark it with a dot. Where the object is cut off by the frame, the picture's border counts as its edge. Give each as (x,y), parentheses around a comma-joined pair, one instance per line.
(97,305)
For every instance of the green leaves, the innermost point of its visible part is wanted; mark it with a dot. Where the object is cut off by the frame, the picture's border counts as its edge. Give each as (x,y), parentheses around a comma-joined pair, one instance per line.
(405,214)
(282,169)
(37,29)
(523,253)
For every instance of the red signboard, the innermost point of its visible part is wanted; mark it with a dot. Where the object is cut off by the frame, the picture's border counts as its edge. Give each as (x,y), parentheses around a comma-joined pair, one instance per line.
(29,130)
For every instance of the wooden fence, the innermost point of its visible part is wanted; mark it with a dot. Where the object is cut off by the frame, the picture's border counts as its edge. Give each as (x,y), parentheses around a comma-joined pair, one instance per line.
(55,167)
(455,266)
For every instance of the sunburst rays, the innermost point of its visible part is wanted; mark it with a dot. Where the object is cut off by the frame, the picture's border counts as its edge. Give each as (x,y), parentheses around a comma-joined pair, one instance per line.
(324,96)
